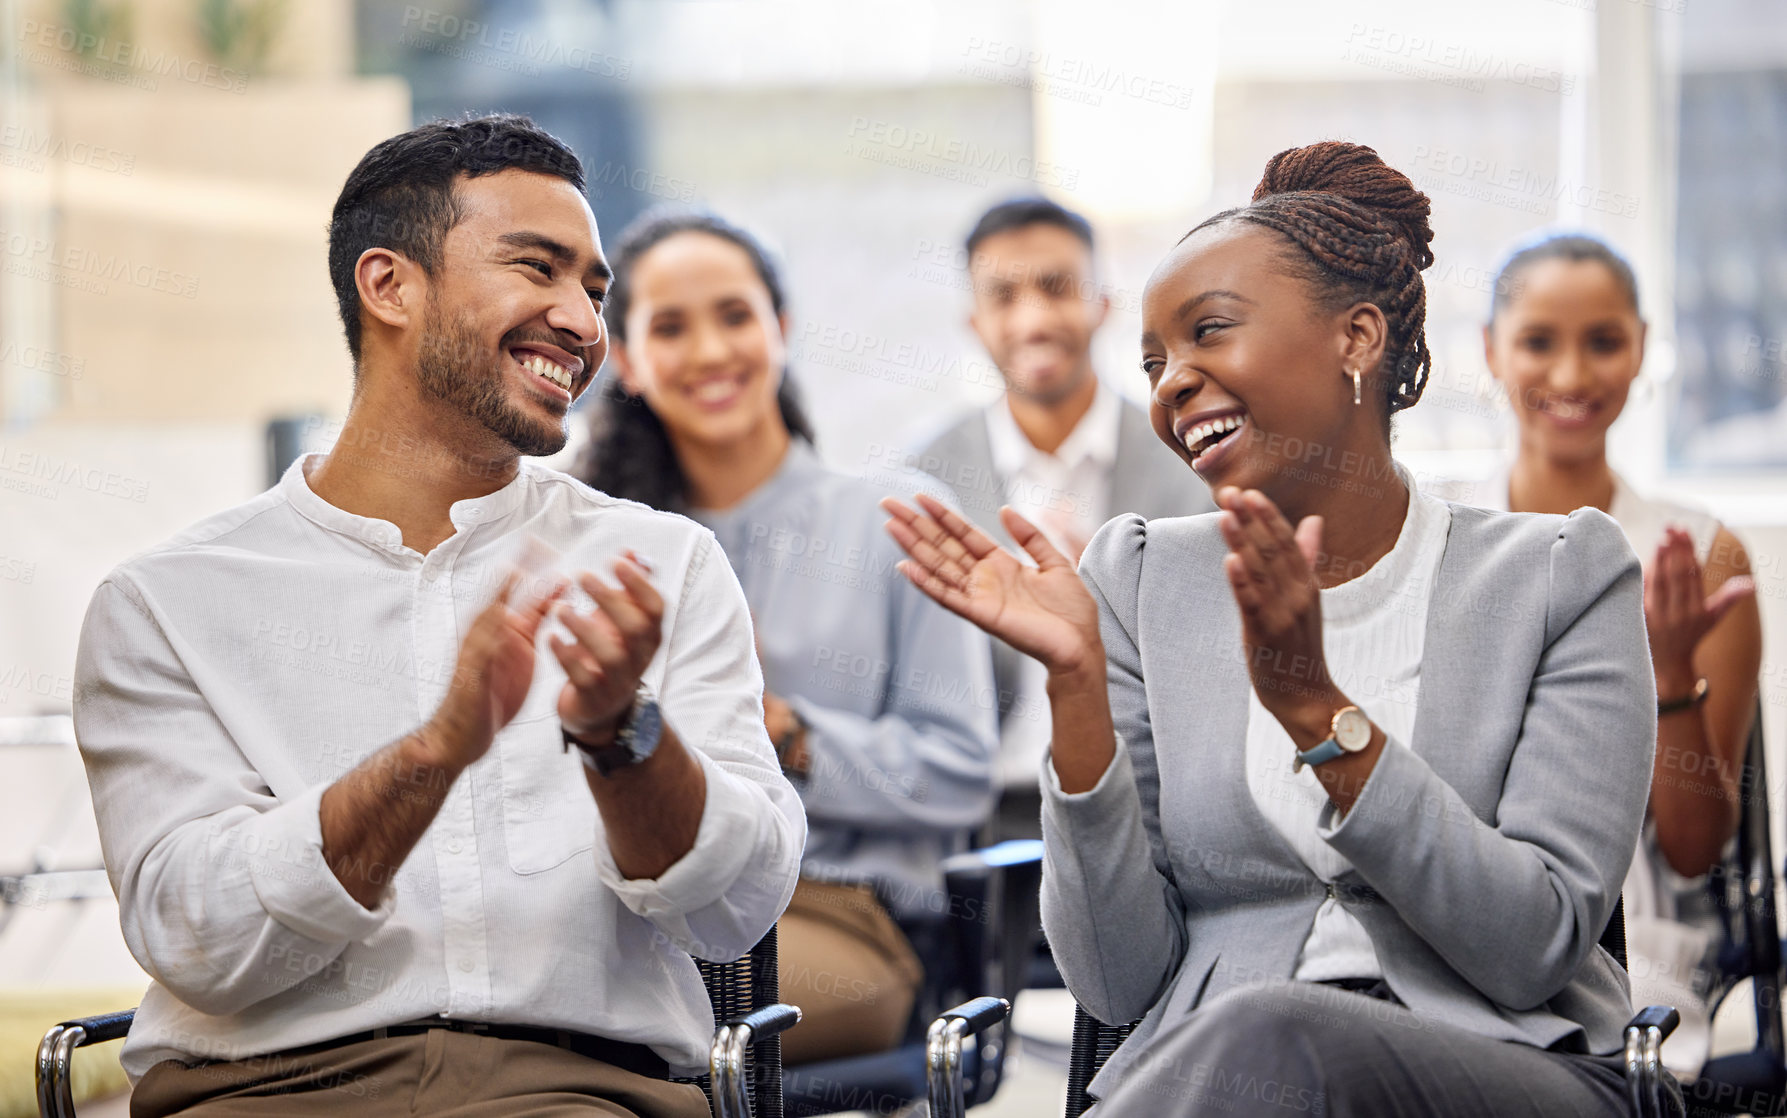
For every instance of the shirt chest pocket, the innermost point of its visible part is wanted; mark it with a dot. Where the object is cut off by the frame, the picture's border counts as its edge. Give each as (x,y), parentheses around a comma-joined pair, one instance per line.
(549,816)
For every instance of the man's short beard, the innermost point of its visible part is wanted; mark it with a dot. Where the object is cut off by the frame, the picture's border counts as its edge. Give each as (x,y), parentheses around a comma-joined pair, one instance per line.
(447,369)
(1063,391)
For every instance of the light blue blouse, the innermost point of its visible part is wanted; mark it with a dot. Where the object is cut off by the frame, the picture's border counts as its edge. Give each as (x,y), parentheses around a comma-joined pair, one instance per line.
(897,691)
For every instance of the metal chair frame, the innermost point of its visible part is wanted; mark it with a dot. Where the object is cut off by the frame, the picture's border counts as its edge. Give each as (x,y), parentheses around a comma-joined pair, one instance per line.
(943,1051)
(978,950)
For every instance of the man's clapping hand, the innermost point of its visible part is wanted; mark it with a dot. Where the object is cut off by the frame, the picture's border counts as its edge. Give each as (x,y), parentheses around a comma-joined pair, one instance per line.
(612,646)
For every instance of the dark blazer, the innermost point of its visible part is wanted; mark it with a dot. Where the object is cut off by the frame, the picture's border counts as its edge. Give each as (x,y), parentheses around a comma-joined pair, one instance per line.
(1147,478)
(1488,850)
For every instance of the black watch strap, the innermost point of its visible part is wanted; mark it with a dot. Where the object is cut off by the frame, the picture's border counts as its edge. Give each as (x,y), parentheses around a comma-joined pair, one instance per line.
(1692,698)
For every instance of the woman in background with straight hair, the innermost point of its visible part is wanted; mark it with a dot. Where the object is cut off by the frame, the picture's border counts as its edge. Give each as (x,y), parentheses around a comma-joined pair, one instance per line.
(1566,343)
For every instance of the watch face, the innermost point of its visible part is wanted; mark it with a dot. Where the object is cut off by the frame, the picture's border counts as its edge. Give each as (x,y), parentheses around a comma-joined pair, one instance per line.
(644,729)
(1352,729)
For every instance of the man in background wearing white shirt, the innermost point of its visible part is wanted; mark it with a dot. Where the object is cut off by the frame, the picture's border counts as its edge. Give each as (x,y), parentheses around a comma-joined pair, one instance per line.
(1063,450)
(379,854)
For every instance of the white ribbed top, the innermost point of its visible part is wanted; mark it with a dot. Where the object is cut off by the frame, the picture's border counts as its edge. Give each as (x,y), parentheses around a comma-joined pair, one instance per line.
(1373,627)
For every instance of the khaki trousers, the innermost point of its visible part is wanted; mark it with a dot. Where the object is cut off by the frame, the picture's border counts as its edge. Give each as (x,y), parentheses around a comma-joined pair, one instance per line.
(849,968)
(440,1072)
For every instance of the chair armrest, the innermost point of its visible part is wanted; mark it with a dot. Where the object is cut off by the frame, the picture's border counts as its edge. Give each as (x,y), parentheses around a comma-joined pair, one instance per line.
(767,1022)
(978,1015)
(1019,856)
(1663,1018)
(943,1051)
(1645,1035)
(102,1027)
(726,1056)
(55,1057)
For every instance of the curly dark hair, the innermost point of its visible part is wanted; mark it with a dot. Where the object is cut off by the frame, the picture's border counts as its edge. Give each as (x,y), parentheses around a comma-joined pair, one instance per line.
(400,195)
(629,453)
(1362,228)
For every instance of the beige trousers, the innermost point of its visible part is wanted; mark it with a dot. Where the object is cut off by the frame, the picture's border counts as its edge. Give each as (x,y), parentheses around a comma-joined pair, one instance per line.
(440,1072)
(849,968)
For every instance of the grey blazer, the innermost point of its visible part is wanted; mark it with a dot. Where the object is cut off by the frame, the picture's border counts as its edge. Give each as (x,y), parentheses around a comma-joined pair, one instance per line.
(1147,478)
(1488,850)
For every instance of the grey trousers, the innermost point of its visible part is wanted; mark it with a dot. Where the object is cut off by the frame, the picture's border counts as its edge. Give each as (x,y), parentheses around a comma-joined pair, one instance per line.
(1302,1048)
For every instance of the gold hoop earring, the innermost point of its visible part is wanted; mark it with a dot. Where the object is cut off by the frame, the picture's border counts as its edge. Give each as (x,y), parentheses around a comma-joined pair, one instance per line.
(1356,400)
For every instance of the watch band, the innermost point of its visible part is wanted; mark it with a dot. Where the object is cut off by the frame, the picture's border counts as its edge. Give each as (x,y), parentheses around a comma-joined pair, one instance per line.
(785,744)
(1691,699)
(635,740)
(1348,732)
(1320,754)
(586,752)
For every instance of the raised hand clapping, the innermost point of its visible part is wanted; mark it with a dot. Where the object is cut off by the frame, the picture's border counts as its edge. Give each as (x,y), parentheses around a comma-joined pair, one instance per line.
(1044,611)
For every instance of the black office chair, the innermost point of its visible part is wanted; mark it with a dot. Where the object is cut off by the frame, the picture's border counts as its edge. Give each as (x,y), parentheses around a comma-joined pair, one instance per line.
(976,953)
(744,1077)
(1094,1041)
(1743,892)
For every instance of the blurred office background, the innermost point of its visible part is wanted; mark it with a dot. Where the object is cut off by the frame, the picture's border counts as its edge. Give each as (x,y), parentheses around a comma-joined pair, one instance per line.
(167,169)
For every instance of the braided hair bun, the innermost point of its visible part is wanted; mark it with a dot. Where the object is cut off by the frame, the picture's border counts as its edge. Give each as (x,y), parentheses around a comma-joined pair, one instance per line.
(1354,172)
(1364,233)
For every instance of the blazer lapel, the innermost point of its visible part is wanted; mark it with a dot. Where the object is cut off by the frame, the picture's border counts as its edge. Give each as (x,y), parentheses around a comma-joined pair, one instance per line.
(1198,690)
(1444,648)
(1477,649)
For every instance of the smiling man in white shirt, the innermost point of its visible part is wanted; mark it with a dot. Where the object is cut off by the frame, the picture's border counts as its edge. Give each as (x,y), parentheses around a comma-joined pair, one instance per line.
(379,853)
(1060,447)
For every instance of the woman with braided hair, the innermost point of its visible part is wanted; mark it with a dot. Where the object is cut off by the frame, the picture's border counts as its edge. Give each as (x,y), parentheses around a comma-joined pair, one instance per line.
(1344,779)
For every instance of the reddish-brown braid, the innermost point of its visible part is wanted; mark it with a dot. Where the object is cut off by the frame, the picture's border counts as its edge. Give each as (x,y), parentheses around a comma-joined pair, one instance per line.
(1363,228)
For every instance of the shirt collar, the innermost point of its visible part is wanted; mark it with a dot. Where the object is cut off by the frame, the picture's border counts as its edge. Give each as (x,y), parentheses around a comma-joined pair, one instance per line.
(473,511)
(1094,437)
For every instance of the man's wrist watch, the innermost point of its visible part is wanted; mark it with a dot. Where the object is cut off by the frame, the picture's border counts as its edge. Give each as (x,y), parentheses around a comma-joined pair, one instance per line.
(636,739)
(1348,732)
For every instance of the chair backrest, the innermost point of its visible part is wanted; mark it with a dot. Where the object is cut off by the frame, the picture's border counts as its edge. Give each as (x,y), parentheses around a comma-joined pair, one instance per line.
(1093,1043)
(735,989)
(1613,936)
(1742,888)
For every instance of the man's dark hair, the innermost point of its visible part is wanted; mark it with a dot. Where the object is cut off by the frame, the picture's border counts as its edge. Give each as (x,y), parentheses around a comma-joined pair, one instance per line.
(1016,213)
(400,196)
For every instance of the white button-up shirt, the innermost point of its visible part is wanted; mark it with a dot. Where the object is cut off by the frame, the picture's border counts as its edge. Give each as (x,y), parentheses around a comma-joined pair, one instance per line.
(1067,494)
(1069,489)
(229,676)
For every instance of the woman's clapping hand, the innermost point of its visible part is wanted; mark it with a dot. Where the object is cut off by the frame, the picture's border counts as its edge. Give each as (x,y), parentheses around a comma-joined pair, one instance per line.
(1044,611)
(1271,571)
(1678,612)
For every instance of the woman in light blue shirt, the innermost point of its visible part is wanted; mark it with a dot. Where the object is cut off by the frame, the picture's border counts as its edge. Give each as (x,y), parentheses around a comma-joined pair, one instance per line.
(880,703)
